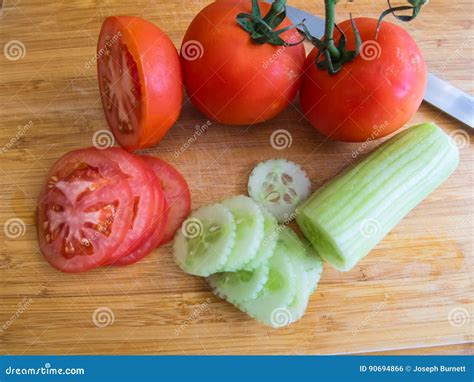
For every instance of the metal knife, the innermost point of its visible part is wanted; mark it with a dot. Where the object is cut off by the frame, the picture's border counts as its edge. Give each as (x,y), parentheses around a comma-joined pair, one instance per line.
(439,93)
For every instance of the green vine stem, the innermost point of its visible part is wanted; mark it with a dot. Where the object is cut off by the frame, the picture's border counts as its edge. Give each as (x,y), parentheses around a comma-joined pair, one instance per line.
(263,29)
(334,55)
(331,56)
(415,7)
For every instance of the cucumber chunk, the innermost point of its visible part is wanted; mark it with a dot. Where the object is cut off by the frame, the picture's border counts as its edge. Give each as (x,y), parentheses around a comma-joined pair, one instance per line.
(270,236)
(205,241)
(347,217)
(270,307)
(250,230)
(241,286)
(280,186)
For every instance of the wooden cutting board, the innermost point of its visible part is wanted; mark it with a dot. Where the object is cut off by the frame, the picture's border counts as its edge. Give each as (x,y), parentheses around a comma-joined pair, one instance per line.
(412,294)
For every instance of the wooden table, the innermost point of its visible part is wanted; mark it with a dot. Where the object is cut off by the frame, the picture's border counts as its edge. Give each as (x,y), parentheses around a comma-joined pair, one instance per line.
(399,300)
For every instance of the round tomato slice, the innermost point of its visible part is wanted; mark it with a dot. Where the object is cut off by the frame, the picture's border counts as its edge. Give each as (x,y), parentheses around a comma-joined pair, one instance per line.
(143,188)
(140,81)
(177,194)
(84,211)
(155,232)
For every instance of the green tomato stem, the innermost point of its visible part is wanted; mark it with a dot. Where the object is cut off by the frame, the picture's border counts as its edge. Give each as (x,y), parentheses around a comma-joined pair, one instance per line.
(329,29)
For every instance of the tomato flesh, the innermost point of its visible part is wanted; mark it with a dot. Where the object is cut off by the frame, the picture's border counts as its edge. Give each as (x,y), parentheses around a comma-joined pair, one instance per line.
(121,92)
(84,211)
(143,188)
(176,191)
(154,233)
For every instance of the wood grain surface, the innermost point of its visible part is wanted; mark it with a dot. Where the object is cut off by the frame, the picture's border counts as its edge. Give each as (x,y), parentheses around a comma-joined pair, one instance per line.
(412,295)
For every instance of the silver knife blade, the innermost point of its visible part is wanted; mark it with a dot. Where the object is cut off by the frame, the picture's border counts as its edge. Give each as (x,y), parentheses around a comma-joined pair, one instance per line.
(439,93)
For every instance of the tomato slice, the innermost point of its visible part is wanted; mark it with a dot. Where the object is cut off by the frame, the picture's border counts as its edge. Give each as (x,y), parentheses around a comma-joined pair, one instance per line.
(177,194)
(156,230)
(84,211)
(140,80)
(143,187)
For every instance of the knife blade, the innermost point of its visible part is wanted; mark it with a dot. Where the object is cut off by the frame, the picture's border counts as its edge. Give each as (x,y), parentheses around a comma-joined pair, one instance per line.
(439,93)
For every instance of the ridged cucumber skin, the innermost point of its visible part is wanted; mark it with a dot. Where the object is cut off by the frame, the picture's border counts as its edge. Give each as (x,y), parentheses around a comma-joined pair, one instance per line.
(347,217)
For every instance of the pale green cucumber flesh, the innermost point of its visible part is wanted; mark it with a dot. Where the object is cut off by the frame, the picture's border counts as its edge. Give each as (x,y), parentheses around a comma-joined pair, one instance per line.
(249,221)
(314,266)
(238,287)
(280,186)
(270,307)
(348,216)
(204,242)
(270,236)
(307,266)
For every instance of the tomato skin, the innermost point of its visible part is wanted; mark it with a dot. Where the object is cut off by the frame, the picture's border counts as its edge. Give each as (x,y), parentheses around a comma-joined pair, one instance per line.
(367,99)
(236,81)
(158,73)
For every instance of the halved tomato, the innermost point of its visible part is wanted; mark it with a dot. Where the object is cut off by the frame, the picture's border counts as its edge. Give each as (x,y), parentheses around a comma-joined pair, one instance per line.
(177,194)
(140,80)
(144,188)
(84,211)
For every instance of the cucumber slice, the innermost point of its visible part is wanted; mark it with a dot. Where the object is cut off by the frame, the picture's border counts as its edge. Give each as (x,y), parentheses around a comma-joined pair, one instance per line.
(204,242)
(314,267)
(270,236)
(280,186)
(346,218)
(241,286)
(305,266)
(270,307)
(250,229)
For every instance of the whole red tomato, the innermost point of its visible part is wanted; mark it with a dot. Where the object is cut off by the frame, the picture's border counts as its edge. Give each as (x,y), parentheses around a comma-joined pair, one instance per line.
(372,96)
(231,79)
